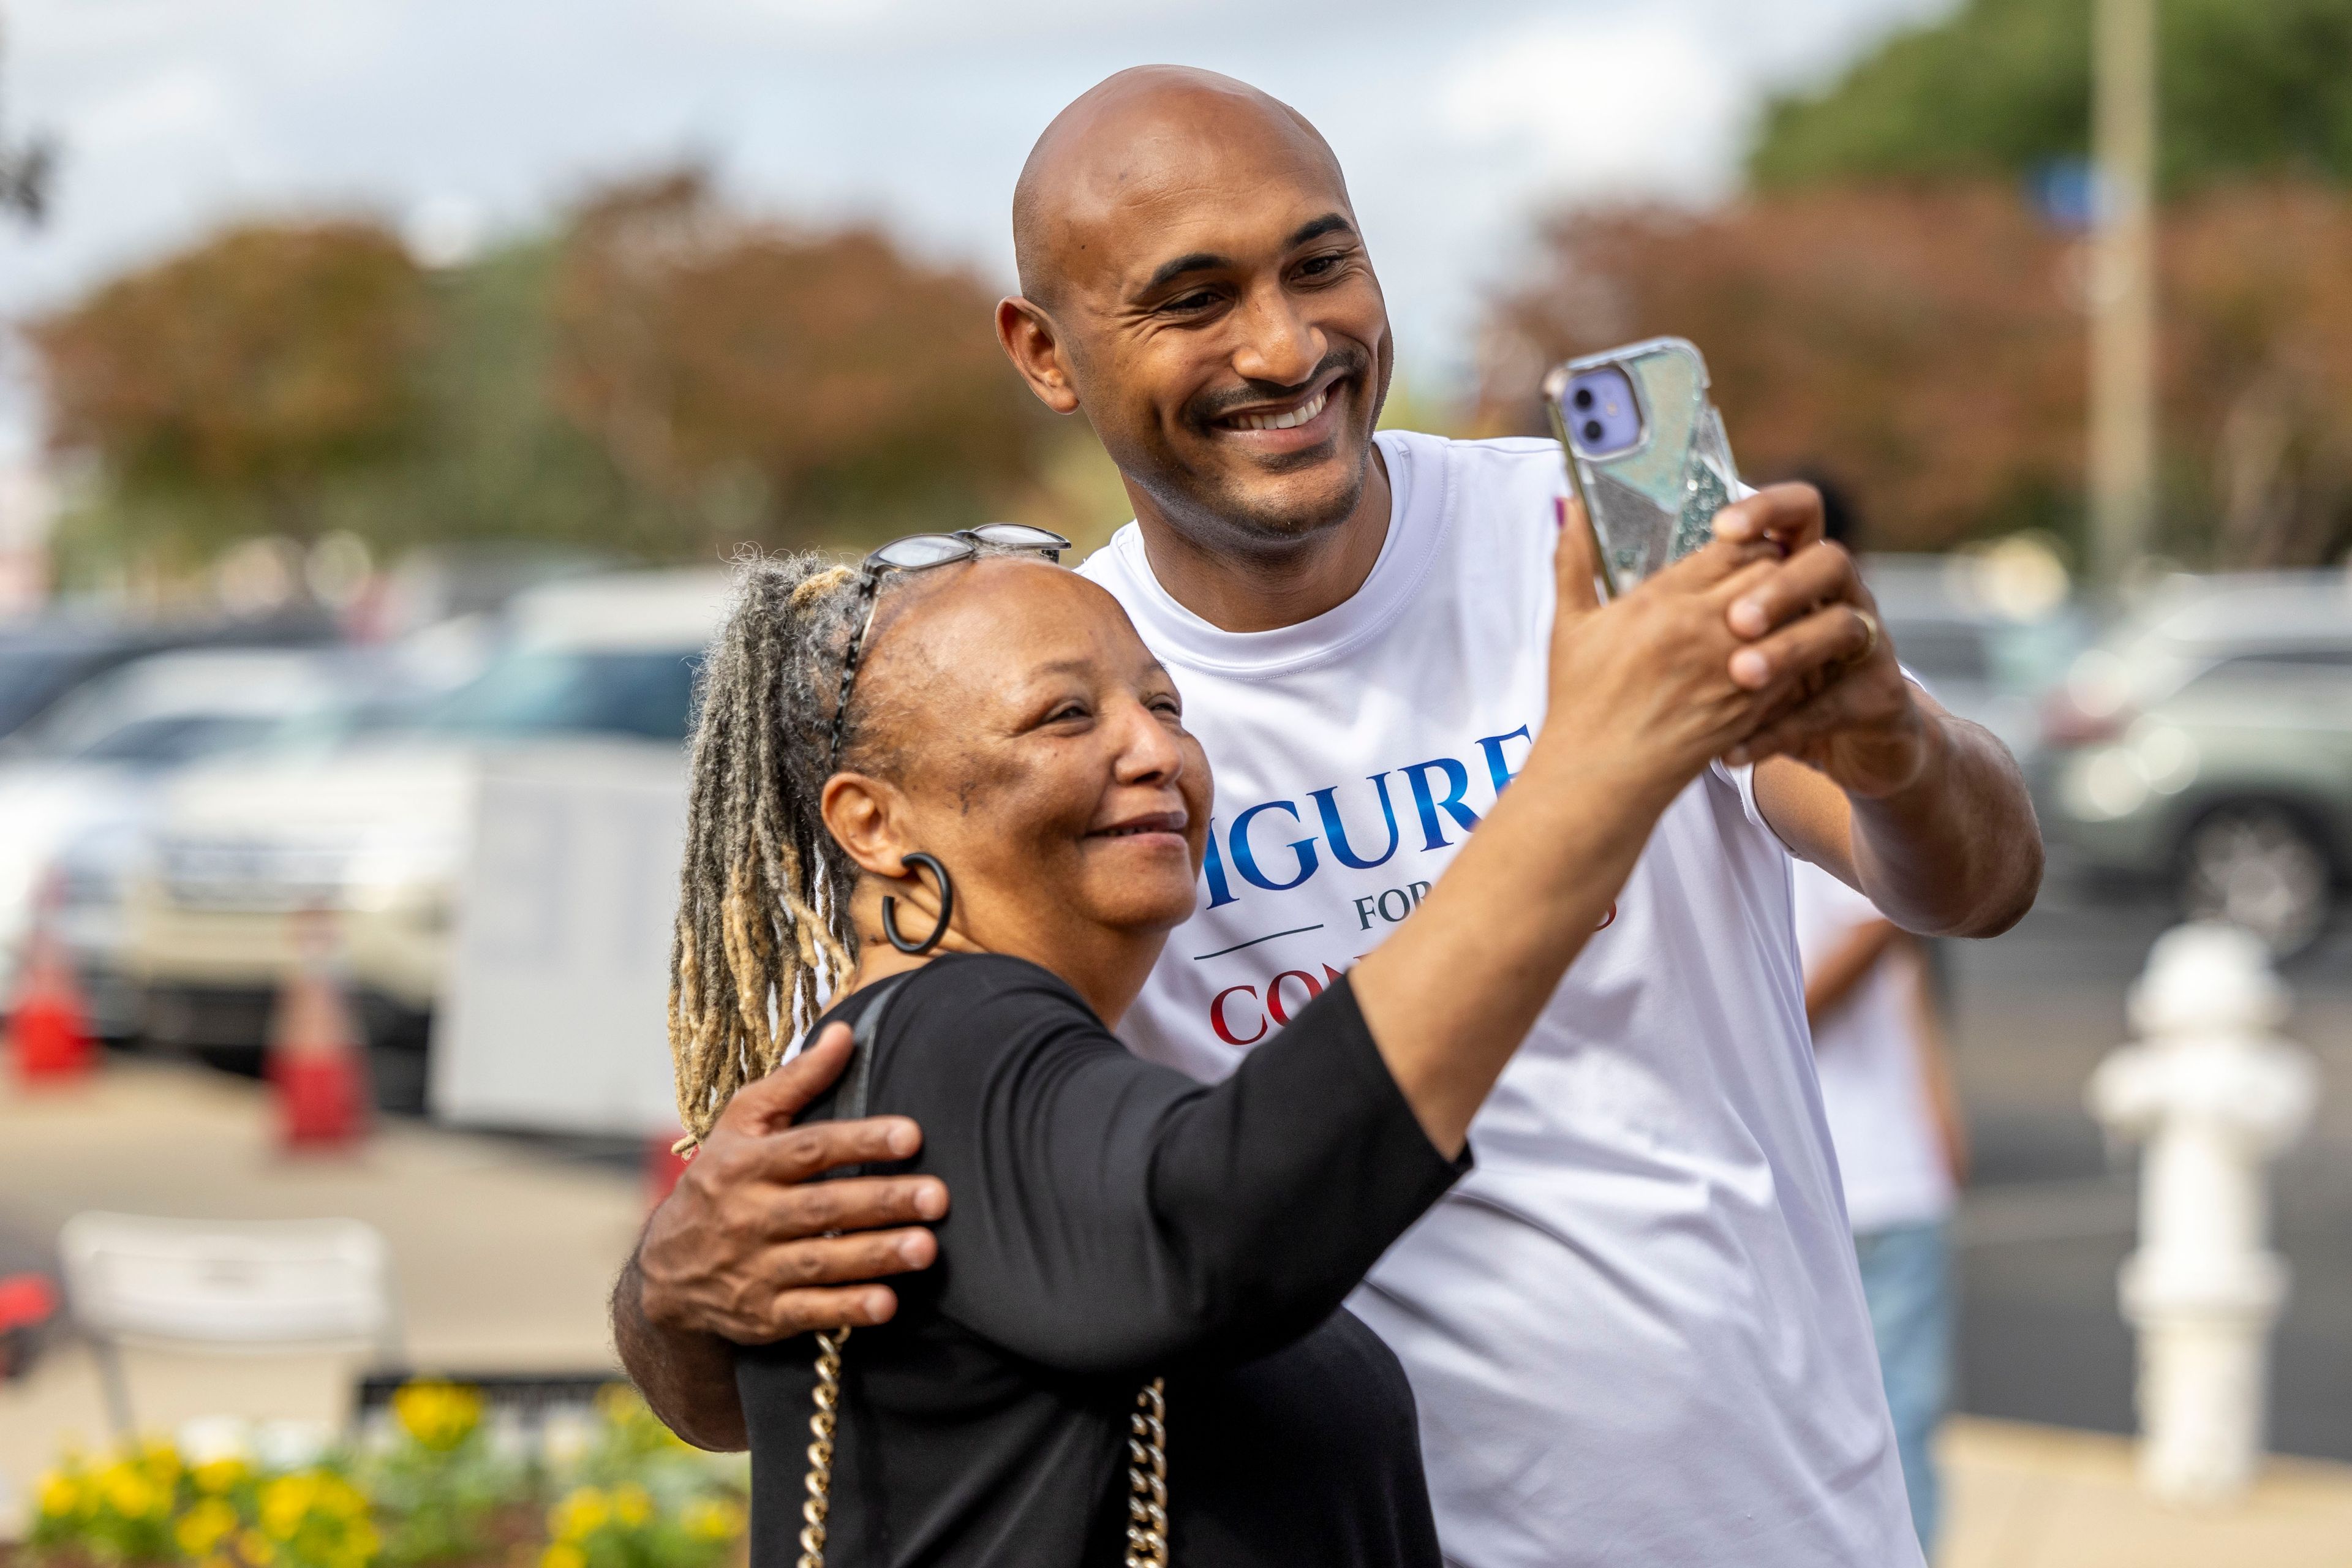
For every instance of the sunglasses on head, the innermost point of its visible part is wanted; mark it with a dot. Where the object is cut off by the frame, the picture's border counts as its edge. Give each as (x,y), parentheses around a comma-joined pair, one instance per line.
(917,553)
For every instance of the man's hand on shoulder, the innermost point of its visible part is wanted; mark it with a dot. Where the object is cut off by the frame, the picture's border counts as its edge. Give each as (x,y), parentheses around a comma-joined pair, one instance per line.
(751,1246)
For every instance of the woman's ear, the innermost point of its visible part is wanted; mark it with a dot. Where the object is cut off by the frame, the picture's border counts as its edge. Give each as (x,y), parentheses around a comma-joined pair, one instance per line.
(864,815)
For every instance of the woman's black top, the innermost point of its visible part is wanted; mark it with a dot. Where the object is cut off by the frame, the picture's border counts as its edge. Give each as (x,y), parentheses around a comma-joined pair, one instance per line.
(1111,1221)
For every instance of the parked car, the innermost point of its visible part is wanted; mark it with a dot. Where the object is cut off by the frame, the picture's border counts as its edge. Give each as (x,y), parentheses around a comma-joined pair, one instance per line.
(44,659)
(1984,661)
(376,826)
(83,909)
(88,770)
(2205,746)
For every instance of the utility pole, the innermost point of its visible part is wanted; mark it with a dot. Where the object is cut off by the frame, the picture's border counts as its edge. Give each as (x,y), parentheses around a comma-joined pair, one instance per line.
(25,170)
(2123,295)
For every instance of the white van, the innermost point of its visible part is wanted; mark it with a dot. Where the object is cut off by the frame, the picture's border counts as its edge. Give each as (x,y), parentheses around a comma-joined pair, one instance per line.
(375,827)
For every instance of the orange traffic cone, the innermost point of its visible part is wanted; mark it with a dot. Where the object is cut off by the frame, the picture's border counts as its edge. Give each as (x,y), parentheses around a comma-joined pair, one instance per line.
(28,1304)
(48,1028)
(663,1166)
(318,1059)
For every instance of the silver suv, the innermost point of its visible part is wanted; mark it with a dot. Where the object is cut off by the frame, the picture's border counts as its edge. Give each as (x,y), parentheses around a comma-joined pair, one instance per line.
(2206,744)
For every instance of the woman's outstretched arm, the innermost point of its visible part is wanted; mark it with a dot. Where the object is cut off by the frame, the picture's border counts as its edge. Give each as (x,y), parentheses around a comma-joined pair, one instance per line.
(1111,1215)
(1641,700)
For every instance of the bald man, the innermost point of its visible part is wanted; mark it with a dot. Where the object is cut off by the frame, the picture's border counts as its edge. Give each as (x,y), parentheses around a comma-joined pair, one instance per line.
(1635,1331)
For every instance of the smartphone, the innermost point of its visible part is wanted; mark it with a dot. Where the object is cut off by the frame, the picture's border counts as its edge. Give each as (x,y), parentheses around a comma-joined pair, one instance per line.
(1646,451)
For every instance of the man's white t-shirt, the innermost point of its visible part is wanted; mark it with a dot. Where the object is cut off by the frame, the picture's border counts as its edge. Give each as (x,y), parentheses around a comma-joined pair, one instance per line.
(1635,1330)
(1873,1069)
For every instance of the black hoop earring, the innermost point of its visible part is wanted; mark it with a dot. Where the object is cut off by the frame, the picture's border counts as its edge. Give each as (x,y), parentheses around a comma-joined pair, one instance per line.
(947,906)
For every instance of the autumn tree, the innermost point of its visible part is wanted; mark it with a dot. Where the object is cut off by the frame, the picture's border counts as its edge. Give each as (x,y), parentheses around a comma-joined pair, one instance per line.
(1922,347)
(660,375)
(233,388)
(497,457)
(1925,346)
(2248,88)
(762,382)
(2258,294)
(2255,301)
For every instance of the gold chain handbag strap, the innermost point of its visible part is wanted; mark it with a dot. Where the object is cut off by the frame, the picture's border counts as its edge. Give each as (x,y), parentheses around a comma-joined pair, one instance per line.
(1146,1442)
(1147,1478)
(1147,1464)
(822,1422)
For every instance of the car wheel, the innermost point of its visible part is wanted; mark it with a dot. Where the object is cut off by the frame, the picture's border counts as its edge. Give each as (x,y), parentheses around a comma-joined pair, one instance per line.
(2260,866)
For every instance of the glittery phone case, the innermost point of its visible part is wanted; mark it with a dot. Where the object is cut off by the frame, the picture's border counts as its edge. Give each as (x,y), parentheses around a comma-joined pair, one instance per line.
(1652,503)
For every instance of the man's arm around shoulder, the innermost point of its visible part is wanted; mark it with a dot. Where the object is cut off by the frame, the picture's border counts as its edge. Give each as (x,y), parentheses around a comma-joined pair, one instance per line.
(751,1247)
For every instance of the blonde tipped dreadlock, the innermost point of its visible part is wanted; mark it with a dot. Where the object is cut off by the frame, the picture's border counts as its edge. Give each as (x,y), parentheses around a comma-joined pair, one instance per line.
(763,928)
(763,931)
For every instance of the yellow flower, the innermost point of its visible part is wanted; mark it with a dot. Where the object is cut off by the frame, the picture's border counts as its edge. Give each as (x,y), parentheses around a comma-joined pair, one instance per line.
(127,1492)
(624,1410)
(161,1463)
(578,1516)
(340,1499)
(632,1505)
(712,1518)
(563,1554)
(256,1548)
(217,1476)
(204,1526)
(60,1494)
(285,1500)
(358,1545)
(440,1416)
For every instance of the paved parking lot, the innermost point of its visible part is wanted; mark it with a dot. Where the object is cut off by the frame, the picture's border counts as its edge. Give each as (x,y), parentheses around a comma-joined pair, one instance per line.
(505,1248)
(2050,1216)
(502,1249)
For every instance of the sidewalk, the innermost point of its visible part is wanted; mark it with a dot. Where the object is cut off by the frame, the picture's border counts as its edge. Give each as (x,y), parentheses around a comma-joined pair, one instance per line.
(2043,1497)
(505,1254)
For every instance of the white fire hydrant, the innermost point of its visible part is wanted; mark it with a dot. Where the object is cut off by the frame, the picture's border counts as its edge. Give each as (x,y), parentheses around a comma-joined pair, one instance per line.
(2213,1093)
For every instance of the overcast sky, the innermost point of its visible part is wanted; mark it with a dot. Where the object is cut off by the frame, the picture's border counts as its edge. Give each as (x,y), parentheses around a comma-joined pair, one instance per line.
(458,119)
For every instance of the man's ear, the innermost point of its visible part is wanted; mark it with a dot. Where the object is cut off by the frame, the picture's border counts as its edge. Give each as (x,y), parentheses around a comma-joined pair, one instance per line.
(862,814)
(1035,348)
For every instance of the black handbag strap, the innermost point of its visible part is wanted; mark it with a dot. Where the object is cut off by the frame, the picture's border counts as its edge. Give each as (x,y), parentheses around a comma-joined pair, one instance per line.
(858,1079)
(850,1102)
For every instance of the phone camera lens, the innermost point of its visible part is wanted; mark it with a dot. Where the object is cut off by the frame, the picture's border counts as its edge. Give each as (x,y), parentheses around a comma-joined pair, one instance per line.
(1583,397)
(1593,430)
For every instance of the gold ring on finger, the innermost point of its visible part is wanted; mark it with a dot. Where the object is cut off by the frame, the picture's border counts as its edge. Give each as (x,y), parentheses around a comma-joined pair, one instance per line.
(1870,636)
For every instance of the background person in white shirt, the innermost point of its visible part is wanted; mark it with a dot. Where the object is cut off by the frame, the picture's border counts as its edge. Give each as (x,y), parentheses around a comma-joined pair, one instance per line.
(1896,1122)
(1902,1151)
(1636,1333)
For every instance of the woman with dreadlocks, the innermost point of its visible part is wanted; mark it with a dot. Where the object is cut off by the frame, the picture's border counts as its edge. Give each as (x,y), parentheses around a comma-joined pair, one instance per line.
(952,793)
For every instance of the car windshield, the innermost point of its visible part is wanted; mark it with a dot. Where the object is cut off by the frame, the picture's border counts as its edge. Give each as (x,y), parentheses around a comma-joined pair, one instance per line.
(174,738)
(2022,658)
(2279,664)
(32,676)
(170,709)
(634,691)
(1943,650)
(2031,657)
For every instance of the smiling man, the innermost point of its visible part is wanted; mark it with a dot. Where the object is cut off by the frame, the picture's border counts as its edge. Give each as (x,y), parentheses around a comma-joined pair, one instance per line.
(1635,1330)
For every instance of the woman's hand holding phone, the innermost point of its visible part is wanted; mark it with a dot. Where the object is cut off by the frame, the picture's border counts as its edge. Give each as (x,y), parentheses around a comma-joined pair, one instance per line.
(1663,679)
(1642,699)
